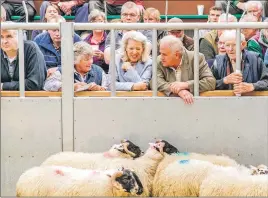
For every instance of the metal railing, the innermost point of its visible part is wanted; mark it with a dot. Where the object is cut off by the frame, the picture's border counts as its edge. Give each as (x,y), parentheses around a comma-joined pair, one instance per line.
(67,34)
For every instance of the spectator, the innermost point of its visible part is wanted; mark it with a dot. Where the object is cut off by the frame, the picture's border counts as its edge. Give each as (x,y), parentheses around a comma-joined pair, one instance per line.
(213,17)
(262,39)
(236,6)
(250,33)
(133,66)
(152,15)
(175,70)
(15,7)
(114,7)
(208,44)
(3,14)
(187,41)
(50,44)
(51,11)
(130,14)
(221,50)
(254,76)
(34,63)
(97,39)
(266,58)
(254,8)
(79,8)
(87,76)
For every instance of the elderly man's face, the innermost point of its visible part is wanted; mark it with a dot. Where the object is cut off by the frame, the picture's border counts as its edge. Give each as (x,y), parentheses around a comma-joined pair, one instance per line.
(214,15)
(150,18)
(9,40)
(177,33)
(130,16)
(85,63)
(253,9)
(134,50)
(168,57)
(230,47)
(55,35)
(248,33)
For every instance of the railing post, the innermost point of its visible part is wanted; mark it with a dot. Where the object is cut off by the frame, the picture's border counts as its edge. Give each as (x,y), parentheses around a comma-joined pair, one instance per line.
(67,102)
(26,11)
(154,77)
(196,62)
(21,64)
(238,52)
(112,63)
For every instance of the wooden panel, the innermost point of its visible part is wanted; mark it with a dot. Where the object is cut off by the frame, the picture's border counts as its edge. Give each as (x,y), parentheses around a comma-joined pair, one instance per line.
(179,7)
(218,93)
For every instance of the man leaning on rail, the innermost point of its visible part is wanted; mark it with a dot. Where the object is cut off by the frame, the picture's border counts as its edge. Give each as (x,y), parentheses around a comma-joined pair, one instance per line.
(254,76)
(34,63)
(175,70)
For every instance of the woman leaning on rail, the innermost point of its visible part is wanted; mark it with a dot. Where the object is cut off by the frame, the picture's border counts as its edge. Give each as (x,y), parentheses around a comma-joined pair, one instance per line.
(133,63)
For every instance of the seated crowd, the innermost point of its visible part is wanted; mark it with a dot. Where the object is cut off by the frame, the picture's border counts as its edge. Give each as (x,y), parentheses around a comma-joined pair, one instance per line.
(133,60)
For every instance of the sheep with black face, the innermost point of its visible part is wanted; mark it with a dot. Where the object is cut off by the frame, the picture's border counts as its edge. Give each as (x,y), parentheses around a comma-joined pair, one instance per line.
(126,150)
(67,181)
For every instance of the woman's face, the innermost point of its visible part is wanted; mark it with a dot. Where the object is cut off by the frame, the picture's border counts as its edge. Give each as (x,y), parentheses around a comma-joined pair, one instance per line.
(134,50)
(51,12)
(98,19)
(85,64)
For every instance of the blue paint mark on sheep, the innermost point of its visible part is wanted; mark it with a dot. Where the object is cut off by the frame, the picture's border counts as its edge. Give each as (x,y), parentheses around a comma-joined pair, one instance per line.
(182,154)
(184,161)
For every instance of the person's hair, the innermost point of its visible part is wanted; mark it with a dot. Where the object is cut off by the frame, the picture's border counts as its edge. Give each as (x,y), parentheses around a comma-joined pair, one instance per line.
(150,11)
(13,31)
(258,3)
(248,18)
(174,43)
(139,37)
(115,21)
(130,5)
(54,6)
(216,8)
(175,20)
(229,35)
(81,48)
(231,18)
(56,19)
(3,13)
(95,14)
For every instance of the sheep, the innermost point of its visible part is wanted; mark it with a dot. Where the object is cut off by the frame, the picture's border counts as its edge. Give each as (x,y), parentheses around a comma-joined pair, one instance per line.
(67,181)
(259,170)
(226,182)
(82,160)
(144,166)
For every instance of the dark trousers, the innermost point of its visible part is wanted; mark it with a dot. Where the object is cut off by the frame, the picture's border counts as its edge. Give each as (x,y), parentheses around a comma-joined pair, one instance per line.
(17,10)
(111,9)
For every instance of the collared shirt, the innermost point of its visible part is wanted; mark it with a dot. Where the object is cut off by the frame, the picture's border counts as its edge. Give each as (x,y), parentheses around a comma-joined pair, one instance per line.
(11,64)
(178,71)
(82,78)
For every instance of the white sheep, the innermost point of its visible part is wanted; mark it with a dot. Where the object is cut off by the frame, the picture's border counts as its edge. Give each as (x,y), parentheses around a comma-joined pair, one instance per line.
(82,160)
(67,181)
(226,182)
(144,166)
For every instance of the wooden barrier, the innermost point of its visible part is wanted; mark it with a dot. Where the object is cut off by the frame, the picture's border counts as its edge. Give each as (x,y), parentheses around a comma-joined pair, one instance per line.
(218,93)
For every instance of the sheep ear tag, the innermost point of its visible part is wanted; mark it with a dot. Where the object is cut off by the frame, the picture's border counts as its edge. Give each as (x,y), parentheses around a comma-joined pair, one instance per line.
(183,162)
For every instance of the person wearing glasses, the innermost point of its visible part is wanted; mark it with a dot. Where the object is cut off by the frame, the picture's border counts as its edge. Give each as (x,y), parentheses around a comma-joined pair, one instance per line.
(130,13)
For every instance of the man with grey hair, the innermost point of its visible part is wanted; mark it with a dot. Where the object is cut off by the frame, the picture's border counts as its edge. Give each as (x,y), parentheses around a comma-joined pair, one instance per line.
(87,76)
(187,41)
(175,70)
(129,14)
(34,63)
(209,44)
(253,75)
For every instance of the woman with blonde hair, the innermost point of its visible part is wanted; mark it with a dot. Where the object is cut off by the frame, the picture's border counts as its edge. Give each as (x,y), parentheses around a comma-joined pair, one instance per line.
(133,64)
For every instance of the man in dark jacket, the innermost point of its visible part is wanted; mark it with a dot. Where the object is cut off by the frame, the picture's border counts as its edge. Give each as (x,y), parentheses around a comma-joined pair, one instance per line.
(34,63)
(50,45)
(15,7)
(254,75)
